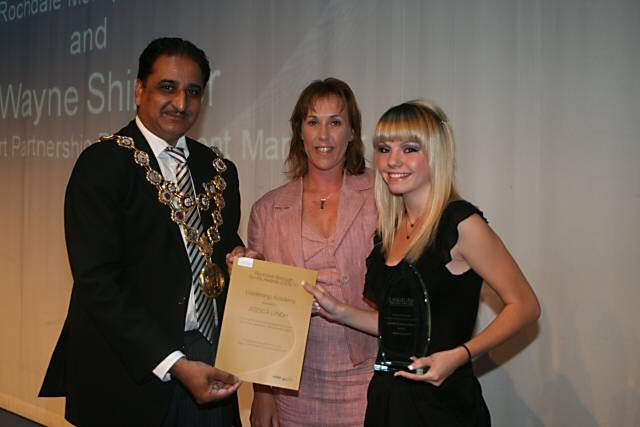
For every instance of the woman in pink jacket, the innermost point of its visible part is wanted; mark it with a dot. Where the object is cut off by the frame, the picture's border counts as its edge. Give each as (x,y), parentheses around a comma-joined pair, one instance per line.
(323,219)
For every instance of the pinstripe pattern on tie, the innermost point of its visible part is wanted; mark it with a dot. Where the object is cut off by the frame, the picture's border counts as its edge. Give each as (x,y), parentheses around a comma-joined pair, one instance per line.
(205,307)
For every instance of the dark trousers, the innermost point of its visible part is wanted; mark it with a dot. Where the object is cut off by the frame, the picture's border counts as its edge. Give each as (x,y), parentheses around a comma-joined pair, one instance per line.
(184,411)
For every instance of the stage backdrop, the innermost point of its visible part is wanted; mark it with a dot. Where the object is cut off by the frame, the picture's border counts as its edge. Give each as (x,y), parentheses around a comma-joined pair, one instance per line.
(543,96)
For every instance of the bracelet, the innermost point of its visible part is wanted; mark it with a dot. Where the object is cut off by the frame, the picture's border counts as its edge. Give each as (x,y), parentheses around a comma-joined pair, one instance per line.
(467,349)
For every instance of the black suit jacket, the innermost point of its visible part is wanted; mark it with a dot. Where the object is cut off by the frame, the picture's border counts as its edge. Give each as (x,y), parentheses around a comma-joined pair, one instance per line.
(132,280)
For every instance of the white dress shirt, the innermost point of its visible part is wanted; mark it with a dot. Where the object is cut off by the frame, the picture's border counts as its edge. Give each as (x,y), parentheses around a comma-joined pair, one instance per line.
(168,167)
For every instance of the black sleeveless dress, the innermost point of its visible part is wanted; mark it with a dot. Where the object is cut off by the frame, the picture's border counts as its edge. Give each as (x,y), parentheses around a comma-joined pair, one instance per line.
(458,401)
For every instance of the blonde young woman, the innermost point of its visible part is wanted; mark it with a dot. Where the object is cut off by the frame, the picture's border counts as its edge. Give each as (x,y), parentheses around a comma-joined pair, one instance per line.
(425,226)
(324,219)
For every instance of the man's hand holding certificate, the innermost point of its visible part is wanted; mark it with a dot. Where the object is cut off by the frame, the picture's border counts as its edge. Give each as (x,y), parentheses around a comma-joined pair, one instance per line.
(266,323)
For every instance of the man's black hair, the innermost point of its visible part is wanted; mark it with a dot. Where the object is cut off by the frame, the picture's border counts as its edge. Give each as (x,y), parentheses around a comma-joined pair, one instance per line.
(172,46)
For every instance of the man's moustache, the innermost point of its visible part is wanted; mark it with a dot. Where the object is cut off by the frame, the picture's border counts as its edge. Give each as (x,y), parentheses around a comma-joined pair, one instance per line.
(174,111)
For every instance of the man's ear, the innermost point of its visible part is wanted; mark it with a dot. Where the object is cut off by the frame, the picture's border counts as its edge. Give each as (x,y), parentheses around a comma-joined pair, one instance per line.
(138,91)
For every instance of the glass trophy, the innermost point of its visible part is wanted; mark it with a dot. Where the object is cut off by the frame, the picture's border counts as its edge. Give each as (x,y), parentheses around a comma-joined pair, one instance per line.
(404,321)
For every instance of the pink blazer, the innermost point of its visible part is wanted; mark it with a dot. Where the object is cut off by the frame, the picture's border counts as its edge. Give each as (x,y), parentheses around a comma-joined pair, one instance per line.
(275,230)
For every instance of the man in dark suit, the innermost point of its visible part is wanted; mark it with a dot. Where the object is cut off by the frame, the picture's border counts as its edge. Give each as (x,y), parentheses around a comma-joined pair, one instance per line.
(140,336)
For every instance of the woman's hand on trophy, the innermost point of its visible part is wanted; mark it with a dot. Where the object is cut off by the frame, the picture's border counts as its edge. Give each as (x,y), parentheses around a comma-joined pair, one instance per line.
(438,366)
(239,252)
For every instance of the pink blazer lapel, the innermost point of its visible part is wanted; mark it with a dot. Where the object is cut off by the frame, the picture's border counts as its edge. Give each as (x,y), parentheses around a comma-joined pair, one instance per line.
(352,200)
(287,213)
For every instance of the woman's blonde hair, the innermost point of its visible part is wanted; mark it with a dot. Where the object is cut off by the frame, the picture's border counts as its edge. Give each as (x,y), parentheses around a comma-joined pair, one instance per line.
(423,122)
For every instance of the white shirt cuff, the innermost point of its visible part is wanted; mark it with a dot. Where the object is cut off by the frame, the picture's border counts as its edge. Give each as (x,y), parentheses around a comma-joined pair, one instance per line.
(162,370)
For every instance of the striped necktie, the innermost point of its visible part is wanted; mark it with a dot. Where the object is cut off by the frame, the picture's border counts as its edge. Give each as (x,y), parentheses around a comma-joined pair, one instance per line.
(205,307)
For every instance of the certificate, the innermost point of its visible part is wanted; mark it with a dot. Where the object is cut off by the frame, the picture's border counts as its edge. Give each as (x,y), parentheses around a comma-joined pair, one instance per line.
(266,323)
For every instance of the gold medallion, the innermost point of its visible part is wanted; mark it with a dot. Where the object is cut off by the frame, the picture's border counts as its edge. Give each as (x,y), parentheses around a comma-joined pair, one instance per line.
(211,279)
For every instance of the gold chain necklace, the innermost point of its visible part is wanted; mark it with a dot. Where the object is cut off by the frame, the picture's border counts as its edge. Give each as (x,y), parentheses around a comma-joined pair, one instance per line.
(210,277)
(409,225)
